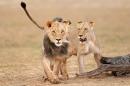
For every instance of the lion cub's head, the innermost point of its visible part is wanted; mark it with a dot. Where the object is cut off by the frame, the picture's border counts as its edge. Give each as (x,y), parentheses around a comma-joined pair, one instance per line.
(84,31)
(58,31)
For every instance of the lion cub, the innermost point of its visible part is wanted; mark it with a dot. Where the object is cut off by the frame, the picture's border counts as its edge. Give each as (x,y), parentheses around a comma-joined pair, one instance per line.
(86,44)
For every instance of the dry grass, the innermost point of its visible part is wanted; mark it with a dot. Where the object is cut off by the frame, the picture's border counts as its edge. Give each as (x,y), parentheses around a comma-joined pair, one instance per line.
(20,42)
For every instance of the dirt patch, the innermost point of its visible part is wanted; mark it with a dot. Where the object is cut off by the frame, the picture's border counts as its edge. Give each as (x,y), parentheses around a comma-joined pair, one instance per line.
(20,40)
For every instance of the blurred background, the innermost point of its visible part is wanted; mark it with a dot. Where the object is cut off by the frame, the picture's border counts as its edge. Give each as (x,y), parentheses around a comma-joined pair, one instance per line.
(20,40)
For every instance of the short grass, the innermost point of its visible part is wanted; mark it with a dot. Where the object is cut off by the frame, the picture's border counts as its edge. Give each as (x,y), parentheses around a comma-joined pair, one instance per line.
(20,43)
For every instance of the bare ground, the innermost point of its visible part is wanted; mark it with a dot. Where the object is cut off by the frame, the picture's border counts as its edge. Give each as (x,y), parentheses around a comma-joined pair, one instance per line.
(20,42)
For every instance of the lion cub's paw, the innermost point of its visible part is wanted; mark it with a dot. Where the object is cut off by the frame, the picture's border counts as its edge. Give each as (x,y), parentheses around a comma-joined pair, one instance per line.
(55,81)
(52,80)
(64,77)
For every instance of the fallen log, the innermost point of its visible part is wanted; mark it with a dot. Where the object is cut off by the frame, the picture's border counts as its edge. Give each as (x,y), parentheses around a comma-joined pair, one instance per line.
(119,65)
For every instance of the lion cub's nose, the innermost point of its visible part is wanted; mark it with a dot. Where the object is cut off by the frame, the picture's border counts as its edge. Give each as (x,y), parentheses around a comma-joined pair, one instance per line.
(58,39)
(80,35)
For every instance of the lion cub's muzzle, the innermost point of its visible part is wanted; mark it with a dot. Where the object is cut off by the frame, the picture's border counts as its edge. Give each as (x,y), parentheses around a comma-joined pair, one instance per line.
(58,42)
(82,39)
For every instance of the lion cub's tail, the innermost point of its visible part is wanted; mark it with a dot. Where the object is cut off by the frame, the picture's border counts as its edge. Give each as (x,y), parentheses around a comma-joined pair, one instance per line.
(23,5)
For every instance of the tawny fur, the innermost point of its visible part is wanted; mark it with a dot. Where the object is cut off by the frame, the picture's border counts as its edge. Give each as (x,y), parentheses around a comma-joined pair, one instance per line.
(55,47)
(87,44)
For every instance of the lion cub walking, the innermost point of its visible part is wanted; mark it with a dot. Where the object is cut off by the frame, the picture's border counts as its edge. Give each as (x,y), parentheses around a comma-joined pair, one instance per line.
(86,44)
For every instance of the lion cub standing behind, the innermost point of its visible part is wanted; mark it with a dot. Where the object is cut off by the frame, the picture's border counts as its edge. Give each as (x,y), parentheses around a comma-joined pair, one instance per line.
(87,44)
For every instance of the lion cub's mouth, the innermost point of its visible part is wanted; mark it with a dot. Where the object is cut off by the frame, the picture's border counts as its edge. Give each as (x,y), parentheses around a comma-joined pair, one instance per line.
(82,39)
(58,43)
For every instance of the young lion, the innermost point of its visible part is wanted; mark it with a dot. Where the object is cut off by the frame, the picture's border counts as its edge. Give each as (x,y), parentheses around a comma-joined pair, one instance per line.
(55,47)
(87,44)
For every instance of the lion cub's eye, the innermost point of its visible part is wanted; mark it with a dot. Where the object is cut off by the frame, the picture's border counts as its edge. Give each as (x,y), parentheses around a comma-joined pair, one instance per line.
(78,28)
(62,31)
(85,28)
(53,31)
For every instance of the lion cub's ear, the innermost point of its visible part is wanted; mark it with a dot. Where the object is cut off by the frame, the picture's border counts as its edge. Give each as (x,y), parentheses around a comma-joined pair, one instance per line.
(91,23)
(80,22)
(68,22)
(49,23)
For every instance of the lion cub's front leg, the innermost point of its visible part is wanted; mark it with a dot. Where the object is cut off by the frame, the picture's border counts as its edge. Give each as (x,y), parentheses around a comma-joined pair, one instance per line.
(81,64)
(56,67)
(83,50)
(63,70)
(51,76)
